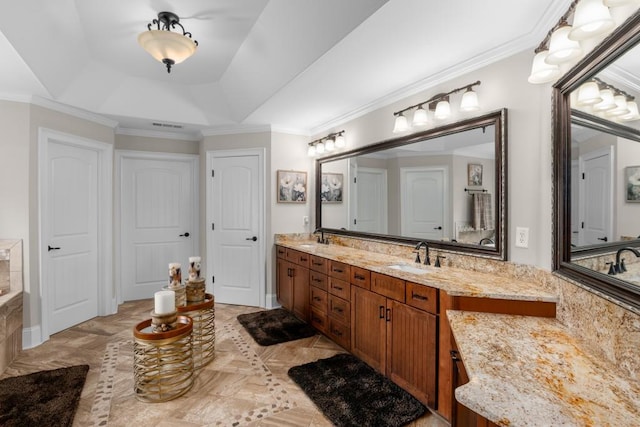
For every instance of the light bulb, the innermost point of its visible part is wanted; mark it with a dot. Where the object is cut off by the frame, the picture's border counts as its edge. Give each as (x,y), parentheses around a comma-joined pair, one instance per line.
(589,94)
(311,151)
(401,124)
(541,71)
(469,101)
(420,117)
(320,147)
(607,102)
(340,141)
(443,110)
(561,48)
(590,18)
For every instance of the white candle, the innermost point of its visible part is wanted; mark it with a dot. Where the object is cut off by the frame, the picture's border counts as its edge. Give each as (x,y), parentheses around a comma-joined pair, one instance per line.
(194,259)
(165,302)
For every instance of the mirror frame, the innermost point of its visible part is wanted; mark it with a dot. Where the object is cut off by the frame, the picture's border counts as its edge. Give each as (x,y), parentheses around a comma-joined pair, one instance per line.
(616,44)
(497,118)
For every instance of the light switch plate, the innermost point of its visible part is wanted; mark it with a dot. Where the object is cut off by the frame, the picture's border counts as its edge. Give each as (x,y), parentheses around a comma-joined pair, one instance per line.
(522,237)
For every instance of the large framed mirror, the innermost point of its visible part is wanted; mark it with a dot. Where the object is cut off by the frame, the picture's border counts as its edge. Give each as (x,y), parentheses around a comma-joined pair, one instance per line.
(597,156)
(446,185)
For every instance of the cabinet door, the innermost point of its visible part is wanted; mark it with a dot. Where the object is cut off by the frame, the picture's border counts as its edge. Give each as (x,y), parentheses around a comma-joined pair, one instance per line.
(368,327)
(301,292)
(411,350)
(284,284)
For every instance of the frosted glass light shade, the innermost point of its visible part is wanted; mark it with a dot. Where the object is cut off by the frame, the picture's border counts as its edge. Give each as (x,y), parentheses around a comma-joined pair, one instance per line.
(311,151)
(420,117)
(401,124)
(541,71)
(340,141)
(320,148)
(589,94)
(469,101)
(162,44)
(443,110)
(561,48)
(620,108)
(633,114)
(591,18)
(607,102)
(329,145)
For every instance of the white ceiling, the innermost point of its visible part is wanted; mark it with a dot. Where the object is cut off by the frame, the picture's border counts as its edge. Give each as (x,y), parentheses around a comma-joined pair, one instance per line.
(294,65)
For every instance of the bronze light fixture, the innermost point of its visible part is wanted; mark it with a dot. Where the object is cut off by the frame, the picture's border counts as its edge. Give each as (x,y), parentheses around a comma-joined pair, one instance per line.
(165,45)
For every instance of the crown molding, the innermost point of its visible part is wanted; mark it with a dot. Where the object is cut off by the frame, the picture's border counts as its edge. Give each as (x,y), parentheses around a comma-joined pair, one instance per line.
(235,129)
(14,97)
(73,111)
(158,134)
(291,131)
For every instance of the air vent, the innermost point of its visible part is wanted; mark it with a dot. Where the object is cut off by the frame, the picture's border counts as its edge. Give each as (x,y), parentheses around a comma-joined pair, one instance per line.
(167,125)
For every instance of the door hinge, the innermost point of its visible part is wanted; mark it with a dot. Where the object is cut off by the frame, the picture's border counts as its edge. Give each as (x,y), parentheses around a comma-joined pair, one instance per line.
(355,179)
(582,175)
(582,224)
(213,279)
(355,221)
(213,226)
(212,173)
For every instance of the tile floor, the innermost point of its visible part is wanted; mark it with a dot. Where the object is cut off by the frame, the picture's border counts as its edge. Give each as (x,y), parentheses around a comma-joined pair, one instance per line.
(245,384)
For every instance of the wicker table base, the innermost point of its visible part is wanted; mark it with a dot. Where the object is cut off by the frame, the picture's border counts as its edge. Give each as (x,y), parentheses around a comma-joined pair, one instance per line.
(204,331)
(162,361)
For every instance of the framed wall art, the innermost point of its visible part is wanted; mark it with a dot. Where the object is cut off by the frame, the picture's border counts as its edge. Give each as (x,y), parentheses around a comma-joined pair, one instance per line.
(632,184)
(292,186)
(332,187)
(474,174)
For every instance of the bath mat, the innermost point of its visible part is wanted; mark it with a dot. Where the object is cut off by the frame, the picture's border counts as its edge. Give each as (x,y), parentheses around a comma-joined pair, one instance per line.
(45,398)
(351,393)
(275,326)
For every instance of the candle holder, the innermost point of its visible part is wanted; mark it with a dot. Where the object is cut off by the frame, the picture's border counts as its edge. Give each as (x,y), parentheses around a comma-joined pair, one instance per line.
(163,322)
(195,290)
(180,291)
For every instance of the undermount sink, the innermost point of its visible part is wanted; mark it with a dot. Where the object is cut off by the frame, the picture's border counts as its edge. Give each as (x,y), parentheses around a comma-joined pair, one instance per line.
(408,268)
(307,246)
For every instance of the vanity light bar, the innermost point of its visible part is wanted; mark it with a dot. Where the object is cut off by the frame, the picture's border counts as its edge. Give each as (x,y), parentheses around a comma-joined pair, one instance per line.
(328,143)
(439,104)
(606,101)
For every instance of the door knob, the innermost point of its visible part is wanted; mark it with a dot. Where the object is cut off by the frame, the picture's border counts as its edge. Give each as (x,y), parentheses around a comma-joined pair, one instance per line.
(604,239)
(49,248)
(185,234)
(438,227)
(254,238)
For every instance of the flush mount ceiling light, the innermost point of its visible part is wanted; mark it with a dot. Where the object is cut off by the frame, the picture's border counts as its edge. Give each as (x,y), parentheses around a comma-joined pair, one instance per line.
(167,46)
(328,143)
(439,104)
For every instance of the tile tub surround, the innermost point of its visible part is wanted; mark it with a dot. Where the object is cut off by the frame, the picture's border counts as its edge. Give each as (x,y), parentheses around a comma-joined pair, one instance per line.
(10,301)
(533,371)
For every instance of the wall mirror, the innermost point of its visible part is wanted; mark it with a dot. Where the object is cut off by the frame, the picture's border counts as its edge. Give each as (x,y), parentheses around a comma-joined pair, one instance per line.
(445,185)
(597,156)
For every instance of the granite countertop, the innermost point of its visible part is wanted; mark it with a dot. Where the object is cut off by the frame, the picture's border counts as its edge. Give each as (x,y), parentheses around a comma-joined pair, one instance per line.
(526,371)
(454,281)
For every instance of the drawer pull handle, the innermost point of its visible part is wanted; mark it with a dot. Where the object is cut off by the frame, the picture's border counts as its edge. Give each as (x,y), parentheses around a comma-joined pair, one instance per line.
(337,287)
(338,333)
(315,279)
(317,299)
(338,309)
(303,259)
(317,320)
(316,263)
(419,297)
(388,319)
(358,276)
(337,270)
(382,311)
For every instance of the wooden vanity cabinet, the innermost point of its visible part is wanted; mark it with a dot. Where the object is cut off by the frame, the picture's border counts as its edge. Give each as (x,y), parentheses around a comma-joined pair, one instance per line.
(292,281)
(318,295)
(339,305)
(395,338)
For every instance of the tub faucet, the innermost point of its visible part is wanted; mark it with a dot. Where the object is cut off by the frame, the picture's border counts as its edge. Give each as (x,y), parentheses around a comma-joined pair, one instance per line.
(620,267)
(427,261)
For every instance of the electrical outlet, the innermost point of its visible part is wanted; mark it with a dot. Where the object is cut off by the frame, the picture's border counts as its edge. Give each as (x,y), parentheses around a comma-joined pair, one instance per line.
(522,237)
(305,220)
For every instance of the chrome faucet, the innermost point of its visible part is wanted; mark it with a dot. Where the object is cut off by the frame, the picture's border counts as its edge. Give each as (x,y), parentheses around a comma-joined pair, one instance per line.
(427,261)
(619,267)
(321,238)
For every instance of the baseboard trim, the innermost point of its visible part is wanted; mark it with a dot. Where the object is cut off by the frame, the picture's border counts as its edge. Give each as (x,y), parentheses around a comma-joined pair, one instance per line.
(31,337)
(272,301)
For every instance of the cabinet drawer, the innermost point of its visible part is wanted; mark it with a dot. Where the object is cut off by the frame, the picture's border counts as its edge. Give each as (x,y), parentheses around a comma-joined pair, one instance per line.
(281,252)
(360,277)
(319,264)
(297,257)
(318,280)
(388,286)
(422,297)
(339,309)
(318,299)
(319,320)
(339,333)
(340,288)
(339,270)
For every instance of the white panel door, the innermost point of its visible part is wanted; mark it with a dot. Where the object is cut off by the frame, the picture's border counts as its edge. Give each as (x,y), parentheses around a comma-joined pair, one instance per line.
(596,198)
(158,225)
(371,199)
(423,202)
(235,234)
(71,281)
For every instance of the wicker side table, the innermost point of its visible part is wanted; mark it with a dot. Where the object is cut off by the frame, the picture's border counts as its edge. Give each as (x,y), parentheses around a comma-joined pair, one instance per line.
(204,330)
(162,361)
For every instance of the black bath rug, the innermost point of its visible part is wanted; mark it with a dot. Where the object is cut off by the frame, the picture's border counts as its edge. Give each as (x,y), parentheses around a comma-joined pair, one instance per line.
(45,398)
(275,326)
(351,393)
